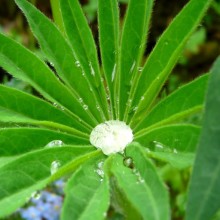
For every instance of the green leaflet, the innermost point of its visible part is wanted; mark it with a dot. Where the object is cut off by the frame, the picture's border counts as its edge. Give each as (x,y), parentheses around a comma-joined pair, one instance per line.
(83,45)
(108,19)
(174,144)
(204,191)
(138,187)
(14,141)
(60,54)
(17,106)
(30,173)
(183,102)
(32,70)
(164,56)
(133,40)
(87,194)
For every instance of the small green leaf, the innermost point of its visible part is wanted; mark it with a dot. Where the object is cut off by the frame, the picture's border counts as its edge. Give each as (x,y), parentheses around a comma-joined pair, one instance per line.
(108,19)
(87,194)
(149,175)
(204,190)
(24,65)
(138,188)
(183,102)
(28,173)
(14,141)
(17,106)
(165,55)
(133,40)
(174,144)
(83,45)
(60,54)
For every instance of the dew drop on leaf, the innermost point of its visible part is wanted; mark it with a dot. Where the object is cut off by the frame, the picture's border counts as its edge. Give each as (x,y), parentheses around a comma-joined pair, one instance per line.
(35,195)
(55,165)
(55,143)
(85,107)
(128,162)
(113,72)
(133,66)
(77,63)
(175,151)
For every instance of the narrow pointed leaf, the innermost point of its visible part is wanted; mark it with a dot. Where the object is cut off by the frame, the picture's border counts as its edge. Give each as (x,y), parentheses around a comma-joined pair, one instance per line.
(137,190)
(132,46)
(22,107)
(60,54)
(204,190)
(87,194)
(183,102)
(174,144)
(14,141)
(149,175)
(31,172)
(108,19)
(24,65)
(165,55)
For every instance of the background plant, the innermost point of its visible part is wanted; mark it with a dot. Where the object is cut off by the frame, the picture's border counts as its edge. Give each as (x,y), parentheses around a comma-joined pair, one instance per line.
(84,95)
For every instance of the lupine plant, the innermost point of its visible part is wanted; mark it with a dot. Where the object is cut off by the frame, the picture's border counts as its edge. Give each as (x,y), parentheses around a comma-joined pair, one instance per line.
(99,120)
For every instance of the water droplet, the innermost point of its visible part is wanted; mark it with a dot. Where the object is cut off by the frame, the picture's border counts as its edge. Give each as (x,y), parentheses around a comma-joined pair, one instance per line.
(77,63)
(55,104)
(142,98)
(83,74)
(105,214)
(55,143)
(140,69)
(98,107)
(85,107)
(113,72)
(158,145)
(55,165)
(132,67)
(158,78)
(91,68)
(128,162)
(138,175)
(35,195)
(80,100)
(100,170)
(135,108)
(175,151)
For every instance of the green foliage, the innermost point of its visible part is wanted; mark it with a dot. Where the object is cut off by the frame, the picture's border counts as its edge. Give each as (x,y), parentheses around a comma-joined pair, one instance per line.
(43,139)
(206,173)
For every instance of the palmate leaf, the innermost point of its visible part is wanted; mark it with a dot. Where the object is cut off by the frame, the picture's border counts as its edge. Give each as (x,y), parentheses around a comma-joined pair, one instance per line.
(164,56)
(59,53)
(87,194)
(204,191)
(33,171)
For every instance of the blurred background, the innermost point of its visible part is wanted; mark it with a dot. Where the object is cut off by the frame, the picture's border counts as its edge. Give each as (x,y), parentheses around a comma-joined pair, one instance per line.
(200,52)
